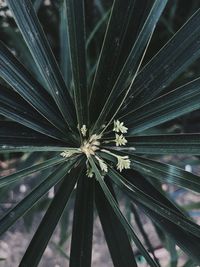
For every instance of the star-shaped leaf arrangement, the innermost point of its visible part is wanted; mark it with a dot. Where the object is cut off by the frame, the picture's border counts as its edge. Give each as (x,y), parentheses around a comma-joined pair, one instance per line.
(95,122)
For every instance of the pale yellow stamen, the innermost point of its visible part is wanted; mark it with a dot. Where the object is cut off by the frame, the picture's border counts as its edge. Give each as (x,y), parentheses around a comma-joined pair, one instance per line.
(102,164)
(119,127)
(120,140)
(123,163)
(83,130)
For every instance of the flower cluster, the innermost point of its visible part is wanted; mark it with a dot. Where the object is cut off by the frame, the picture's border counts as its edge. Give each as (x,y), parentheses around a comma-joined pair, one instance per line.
(91,146)
(123,163)
(69,152)
(120,140)
(119,127)
(83,130)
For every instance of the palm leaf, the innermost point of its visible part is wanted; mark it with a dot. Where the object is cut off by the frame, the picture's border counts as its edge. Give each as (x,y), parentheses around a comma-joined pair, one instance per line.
(162,109)
(113,41)
(114,232)
(168,63)
(31,199)
(33,34)
(24,84)
(167,173)
(6,180)
(65,62)
(44,103)
(76,27)
(160,208)
(187,241)
(162,144)
(130,68)
(120,216)
(43,234)
(82,232)
(16,109)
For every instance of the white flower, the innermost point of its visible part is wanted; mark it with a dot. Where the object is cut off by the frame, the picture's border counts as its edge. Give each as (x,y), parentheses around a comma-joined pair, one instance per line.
(69,153)
(83,130)
(102,164)
(90,146)
(120,140)
(123,163)
(89,172)
(94,138)
(87,149)
(119,127)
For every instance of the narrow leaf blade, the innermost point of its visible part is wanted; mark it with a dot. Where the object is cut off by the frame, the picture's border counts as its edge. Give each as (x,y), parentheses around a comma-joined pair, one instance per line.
(39,47)
(6,180)
(168,63)
(31,199)
(14,73)
(178,102)
(132,64)
(120,216)
(76,28)
(82,232)
(47,226)
(115,234)
(162,144)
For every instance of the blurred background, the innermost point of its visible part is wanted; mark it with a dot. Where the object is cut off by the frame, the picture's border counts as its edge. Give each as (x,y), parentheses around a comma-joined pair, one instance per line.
(15,241)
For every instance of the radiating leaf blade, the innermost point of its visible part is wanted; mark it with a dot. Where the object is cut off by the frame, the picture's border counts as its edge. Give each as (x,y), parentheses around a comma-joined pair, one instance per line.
(65,62)
(16,109)
(130,68)
(121,15)
(162,144)
(163,210)
(178,102)
(115,234)
(166,173)
(31,199)
(120,216)
(47,226)
(82,232)
(15,137)
(39,47)
(169,62)
(186,241)
(14,73)
(76,28)
(6,180)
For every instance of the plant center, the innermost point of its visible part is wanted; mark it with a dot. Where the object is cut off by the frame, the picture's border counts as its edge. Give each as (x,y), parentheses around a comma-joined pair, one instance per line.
(91,146)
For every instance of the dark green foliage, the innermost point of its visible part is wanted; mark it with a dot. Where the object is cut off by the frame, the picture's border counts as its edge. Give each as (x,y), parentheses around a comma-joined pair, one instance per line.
(114,232)
(50,90)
